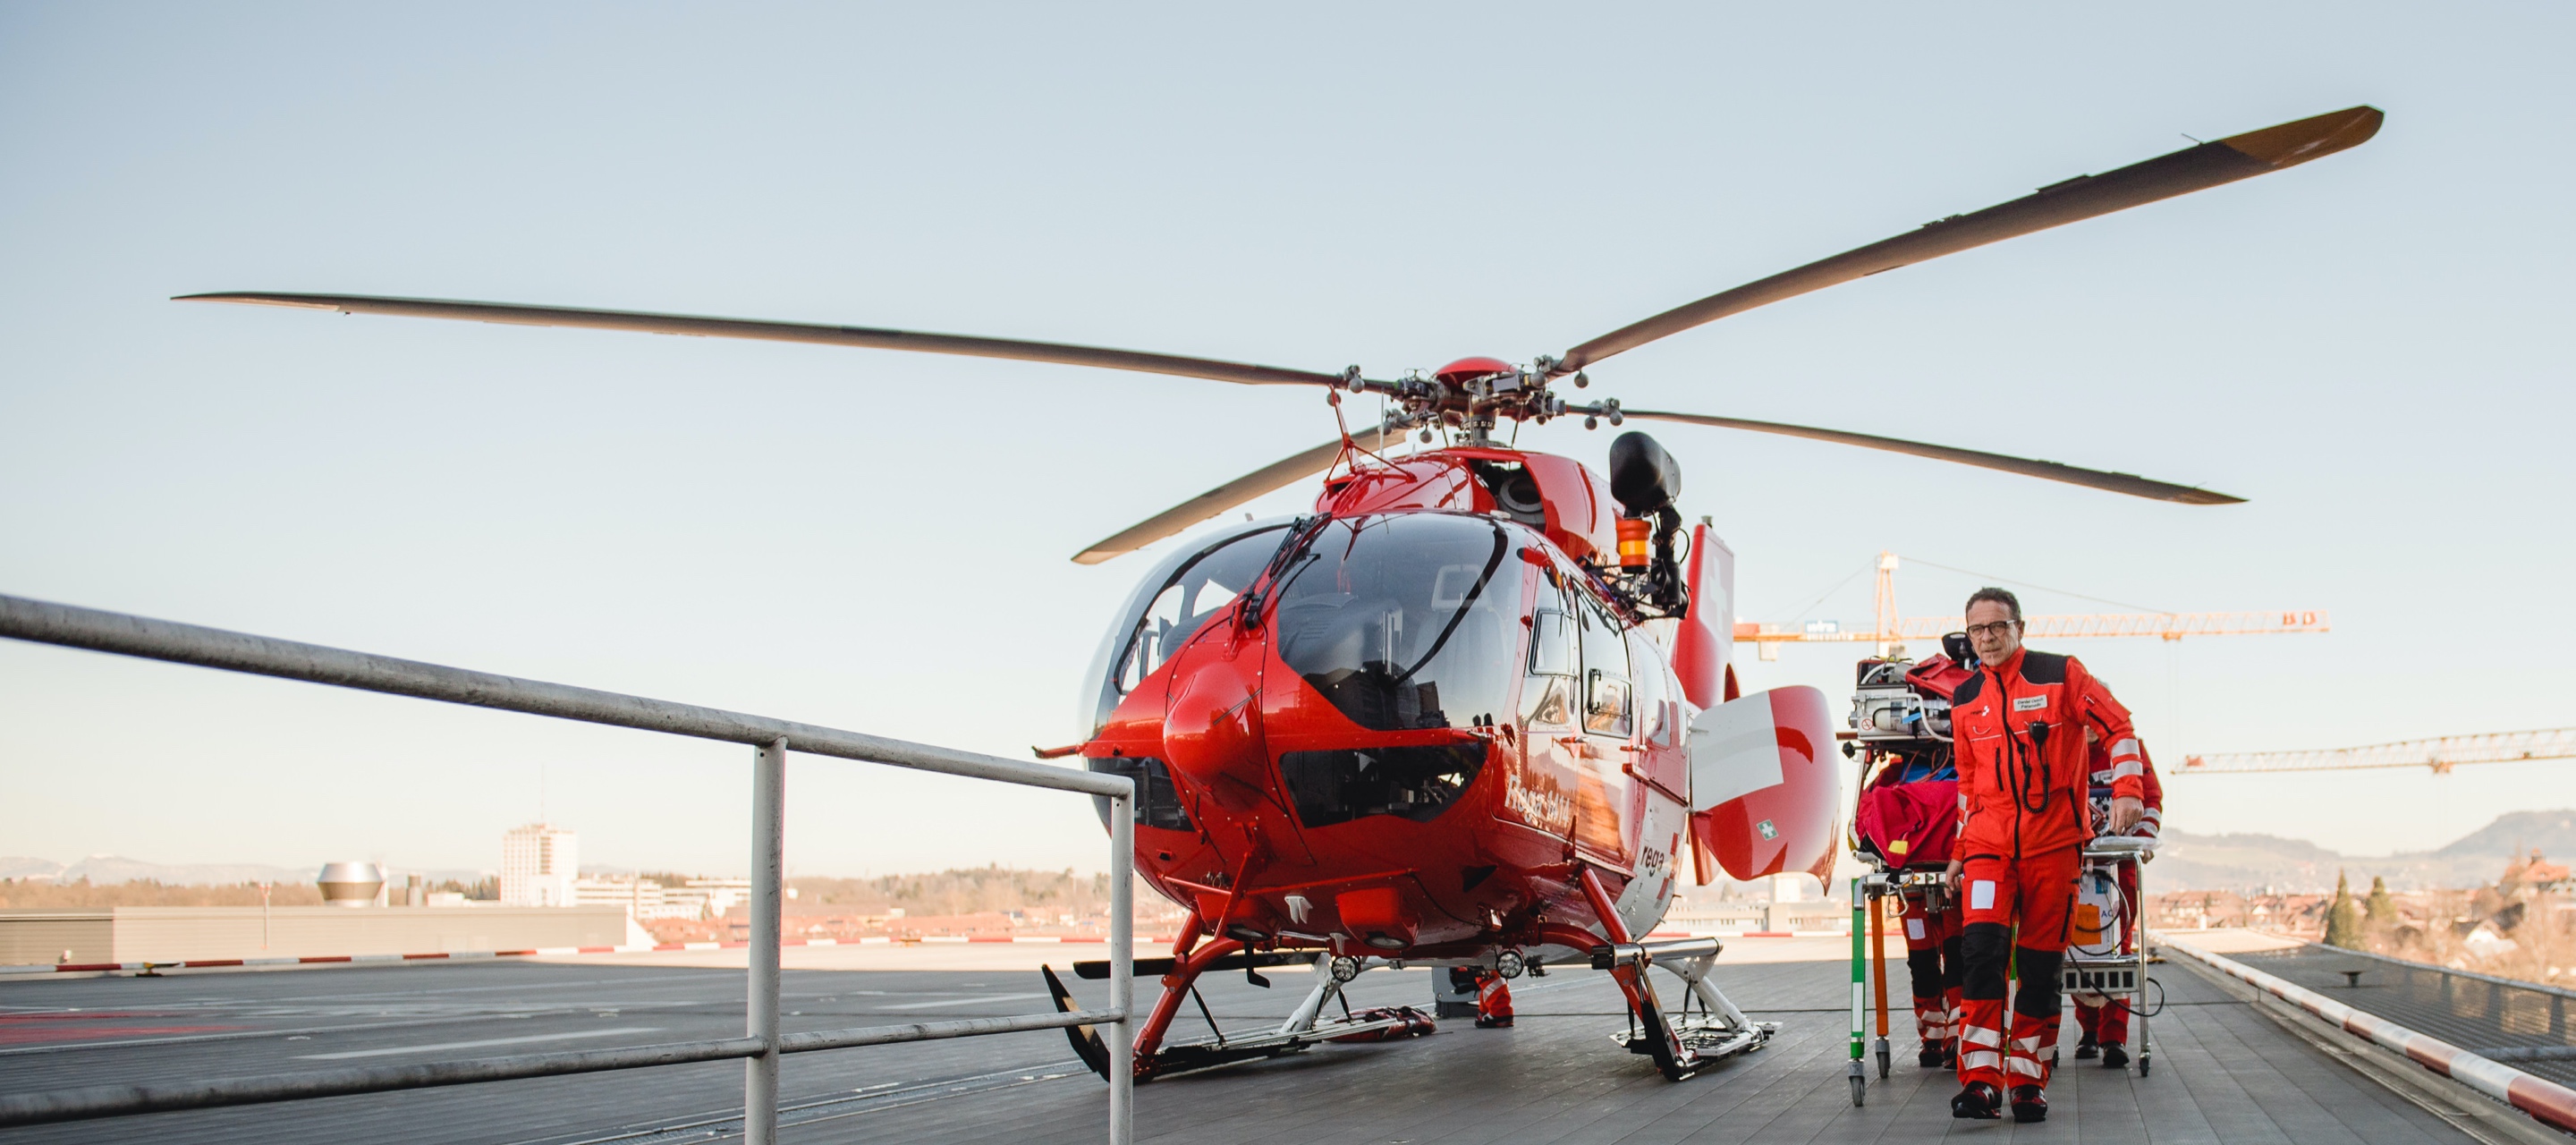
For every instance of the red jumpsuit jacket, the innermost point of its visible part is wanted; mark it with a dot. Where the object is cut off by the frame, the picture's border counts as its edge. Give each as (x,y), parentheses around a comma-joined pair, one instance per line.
(2025,772)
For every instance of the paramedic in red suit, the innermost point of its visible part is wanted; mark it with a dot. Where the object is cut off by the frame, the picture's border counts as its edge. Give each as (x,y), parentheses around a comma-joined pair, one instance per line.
(2103,1020)
(2017,728)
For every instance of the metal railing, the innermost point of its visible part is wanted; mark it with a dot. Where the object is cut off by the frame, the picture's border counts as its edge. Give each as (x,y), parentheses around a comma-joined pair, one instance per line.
(760,1048)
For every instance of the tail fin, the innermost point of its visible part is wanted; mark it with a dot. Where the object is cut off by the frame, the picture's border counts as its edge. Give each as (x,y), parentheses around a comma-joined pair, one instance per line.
(1703,644)
(1086,1040)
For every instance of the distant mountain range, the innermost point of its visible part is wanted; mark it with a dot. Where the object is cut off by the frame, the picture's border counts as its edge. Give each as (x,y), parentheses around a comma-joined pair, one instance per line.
(102,869)
(2185,862)
(2269,862)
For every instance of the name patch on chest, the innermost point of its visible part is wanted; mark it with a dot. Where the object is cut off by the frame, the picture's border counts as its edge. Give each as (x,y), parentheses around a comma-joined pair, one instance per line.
(2029,703)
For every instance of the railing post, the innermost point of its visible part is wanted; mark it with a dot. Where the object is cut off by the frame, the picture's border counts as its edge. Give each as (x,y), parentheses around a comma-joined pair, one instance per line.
(768,881)
(1122,969)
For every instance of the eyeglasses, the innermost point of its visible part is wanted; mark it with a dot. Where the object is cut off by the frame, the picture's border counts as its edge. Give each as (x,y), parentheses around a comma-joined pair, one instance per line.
(1998,628)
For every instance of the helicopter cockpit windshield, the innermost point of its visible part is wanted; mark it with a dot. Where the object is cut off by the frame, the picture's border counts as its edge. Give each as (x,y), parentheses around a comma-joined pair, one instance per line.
(1169,607)
(1405,621)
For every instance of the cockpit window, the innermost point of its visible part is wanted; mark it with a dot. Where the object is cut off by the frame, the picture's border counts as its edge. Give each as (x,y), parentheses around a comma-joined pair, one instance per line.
(1158,801)
(1196,591)
(1417,783)
(1404,621)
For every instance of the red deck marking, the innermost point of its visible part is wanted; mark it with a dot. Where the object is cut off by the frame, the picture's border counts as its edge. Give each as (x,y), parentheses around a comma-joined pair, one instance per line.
(42,1036)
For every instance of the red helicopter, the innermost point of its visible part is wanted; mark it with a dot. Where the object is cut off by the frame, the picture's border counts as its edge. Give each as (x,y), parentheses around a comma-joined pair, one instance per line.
(1472,708)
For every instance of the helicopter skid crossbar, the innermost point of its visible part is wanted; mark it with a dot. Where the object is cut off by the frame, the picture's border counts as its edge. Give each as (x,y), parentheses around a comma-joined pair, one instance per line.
(1303,1028)
(1681,1046)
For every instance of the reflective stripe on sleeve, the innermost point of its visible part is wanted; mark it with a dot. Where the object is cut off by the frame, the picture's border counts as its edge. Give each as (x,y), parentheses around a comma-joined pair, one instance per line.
(2126,768)
(2127,748)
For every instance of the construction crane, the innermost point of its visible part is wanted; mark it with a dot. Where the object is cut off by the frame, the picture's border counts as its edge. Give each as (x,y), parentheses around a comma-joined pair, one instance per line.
(2440,754)
(1890,629)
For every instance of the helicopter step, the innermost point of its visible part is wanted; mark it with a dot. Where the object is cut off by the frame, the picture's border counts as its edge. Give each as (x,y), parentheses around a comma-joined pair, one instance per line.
(1304,1028)
(1097,969)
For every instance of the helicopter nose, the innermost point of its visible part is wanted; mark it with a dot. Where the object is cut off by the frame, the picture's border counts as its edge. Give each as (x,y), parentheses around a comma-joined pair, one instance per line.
(1212,732)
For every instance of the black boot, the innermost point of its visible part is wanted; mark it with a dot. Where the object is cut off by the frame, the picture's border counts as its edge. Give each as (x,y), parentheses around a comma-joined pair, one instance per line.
(2114,1056)
(2030,1103)
(1977,1101)
(2084,1050)
(1933,1056)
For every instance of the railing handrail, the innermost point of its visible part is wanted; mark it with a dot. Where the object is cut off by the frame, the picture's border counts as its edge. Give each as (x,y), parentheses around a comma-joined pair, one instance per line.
(121,634)
(2546,1101)
(71,626)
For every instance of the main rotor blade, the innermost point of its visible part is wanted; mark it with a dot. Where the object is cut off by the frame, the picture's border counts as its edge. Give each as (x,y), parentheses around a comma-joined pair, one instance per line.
(2082,197)
(869,337)
(1276,475)
(2128,483)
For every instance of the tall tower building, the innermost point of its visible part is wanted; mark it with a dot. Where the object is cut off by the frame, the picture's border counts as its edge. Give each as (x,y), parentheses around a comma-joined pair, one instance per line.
(538,863)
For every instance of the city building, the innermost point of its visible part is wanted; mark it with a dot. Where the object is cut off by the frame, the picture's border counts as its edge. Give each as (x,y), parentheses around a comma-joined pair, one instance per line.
(647,899)
(538,862)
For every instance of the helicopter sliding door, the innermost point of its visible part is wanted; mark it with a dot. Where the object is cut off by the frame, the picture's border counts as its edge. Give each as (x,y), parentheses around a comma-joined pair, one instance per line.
(1541,794)
(1658,764)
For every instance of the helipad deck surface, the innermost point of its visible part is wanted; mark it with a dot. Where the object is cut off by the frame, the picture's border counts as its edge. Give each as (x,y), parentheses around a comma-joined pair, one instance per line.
(2223,1072)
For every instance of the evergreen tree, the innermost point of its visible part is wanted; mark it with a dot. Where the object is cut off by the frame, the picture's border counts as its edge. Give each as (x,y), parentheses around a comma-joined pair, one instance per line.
(2343,919)
(2380,910)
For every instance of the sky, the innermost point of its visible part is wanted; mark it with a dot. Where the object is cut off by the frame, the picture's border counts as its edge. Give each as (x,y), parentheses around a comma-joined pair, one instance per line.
(2374,348)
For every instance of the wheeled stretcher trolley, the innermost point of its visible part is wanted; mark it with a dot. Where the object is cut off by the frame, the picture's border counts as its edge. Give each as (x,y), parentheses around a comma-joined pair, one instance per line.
(1919,887)
(2106,958)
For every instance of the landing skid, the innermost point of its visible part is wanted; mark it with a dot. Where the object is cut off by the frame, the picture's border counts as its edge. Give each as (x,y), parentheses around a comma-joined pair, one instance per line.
(1691,1041)
(1303,1029)
(1681,1048)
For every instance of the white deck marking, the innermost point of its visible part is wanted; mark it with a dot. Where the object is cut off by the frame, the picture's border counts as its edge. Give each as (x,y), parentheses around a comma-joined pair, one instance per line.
(977,1000)
(478,1044)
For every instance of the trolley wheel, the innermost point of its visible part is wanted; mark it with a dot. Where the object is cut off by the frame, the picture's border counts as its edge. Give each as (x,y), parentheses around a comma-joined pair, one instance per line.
(2146,1061)
(1883,1060)
(1859,1087)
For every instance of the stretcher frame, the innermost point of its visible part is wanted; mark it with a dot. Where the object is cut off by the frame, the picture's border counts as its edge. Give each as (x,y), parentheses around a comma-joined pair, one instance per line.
(2118,975)
(1921,883)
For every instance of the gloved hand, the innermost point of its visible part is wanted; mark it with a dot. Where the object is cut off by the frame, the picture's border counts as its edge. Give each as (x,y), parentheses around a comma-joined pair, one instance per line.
(2125,813)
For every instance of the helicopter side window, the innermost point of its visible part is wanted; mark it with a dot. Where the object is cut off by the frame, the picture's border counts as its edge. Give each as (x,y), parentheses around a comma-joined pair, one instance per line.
(1605,662)
(1551,644)
(1547,696)
(1401,621)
